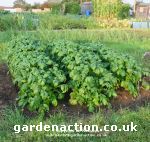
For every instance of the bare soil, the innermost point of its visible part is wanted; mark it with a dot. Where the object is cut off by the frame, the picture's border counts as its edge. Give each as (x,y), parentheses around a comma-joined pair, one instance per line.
(124,99)
(8,91)
(8,95)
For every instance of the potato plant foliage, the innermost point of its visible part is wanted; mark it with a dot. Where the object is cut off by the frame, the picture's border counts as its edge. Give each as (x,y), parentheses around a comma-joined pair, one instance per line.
(89,73)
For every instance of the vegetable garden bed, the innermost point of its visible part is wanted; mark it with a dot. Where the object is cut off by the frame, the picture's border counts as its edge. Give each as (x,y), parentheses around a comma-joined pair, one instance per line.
(8,95)
(86,72)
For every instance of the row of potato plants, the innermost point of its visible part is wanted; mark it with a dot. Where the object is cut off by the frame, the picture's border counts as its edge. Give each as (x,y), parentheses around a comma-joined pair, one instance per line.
(89,73)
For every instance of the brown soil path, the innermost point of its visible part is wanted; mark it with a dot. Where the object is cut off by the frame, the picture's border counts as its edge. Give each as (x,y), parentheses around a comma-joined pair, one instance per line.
(8,91)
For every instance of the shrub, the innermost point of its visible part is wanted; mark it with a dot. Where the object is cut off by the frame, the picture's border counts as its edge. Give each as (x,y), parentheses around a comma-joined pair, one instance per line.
(56,8)
(123,11)
(72,8)
(87,72)
(4,12)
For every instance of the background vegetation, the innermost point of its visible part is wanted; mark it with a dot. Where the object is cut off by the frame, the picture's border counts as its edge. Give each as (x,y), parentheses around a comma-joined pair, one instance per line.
(110,9)
(53,21)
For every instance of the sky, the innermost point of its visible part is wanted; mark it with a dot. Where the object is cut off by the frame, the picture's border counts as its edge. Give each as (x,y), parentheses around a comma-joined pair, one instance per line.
(127,1)
(10,2)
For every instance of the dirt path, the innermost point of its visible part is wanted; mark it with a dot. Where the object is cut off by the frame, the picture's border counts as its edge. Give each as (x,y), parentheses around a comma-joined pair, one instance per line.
(8,91)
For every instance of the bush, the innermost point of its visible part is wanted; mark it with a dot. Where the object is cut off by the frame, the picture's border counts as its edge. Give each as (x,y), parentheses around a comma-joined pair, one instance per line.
(123,11)
(2,12)
(87,72)
(56,9)
(72,8)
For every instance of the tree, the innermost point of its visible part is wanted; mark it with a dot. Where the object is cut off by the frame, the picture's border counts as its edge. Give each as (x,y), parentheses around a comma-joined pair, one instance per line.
(19,3)
(36,5)
(46,5)
(54,1)
(28,6)
(77,1)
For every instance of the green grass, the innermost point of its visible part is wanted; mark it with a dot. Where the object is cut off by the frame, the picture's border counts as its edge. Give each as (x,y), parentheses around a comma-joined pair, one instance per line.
(2,53)
(4,37)
(99,35)
(140,117)
(135,50)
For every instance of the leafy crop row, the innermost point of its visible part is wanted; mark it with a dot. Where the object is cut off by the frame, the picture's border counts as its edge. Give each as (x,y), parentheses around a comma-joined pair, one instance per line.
(87,72)
(35,74)
(95,73)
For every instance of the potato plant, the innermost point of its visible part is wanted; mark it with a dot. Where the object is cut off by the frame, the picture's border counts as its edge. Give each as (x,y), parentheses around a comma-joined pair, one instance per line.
(95,73)
(87,72)
(38,77)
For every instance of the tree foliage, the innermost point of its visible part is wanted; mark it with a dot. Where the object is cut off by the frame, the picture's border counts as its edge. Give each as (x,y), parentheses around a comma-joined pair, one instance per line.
(72,7)
(21,4)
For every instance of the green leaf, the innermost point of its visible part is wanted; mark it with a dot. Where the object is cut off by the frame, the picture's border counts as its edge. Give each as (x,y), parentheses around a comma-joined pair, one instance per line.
(90,108)
(54,102)
(64,88)
(60,96)
(55,83)
(73,102)
(46,107)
